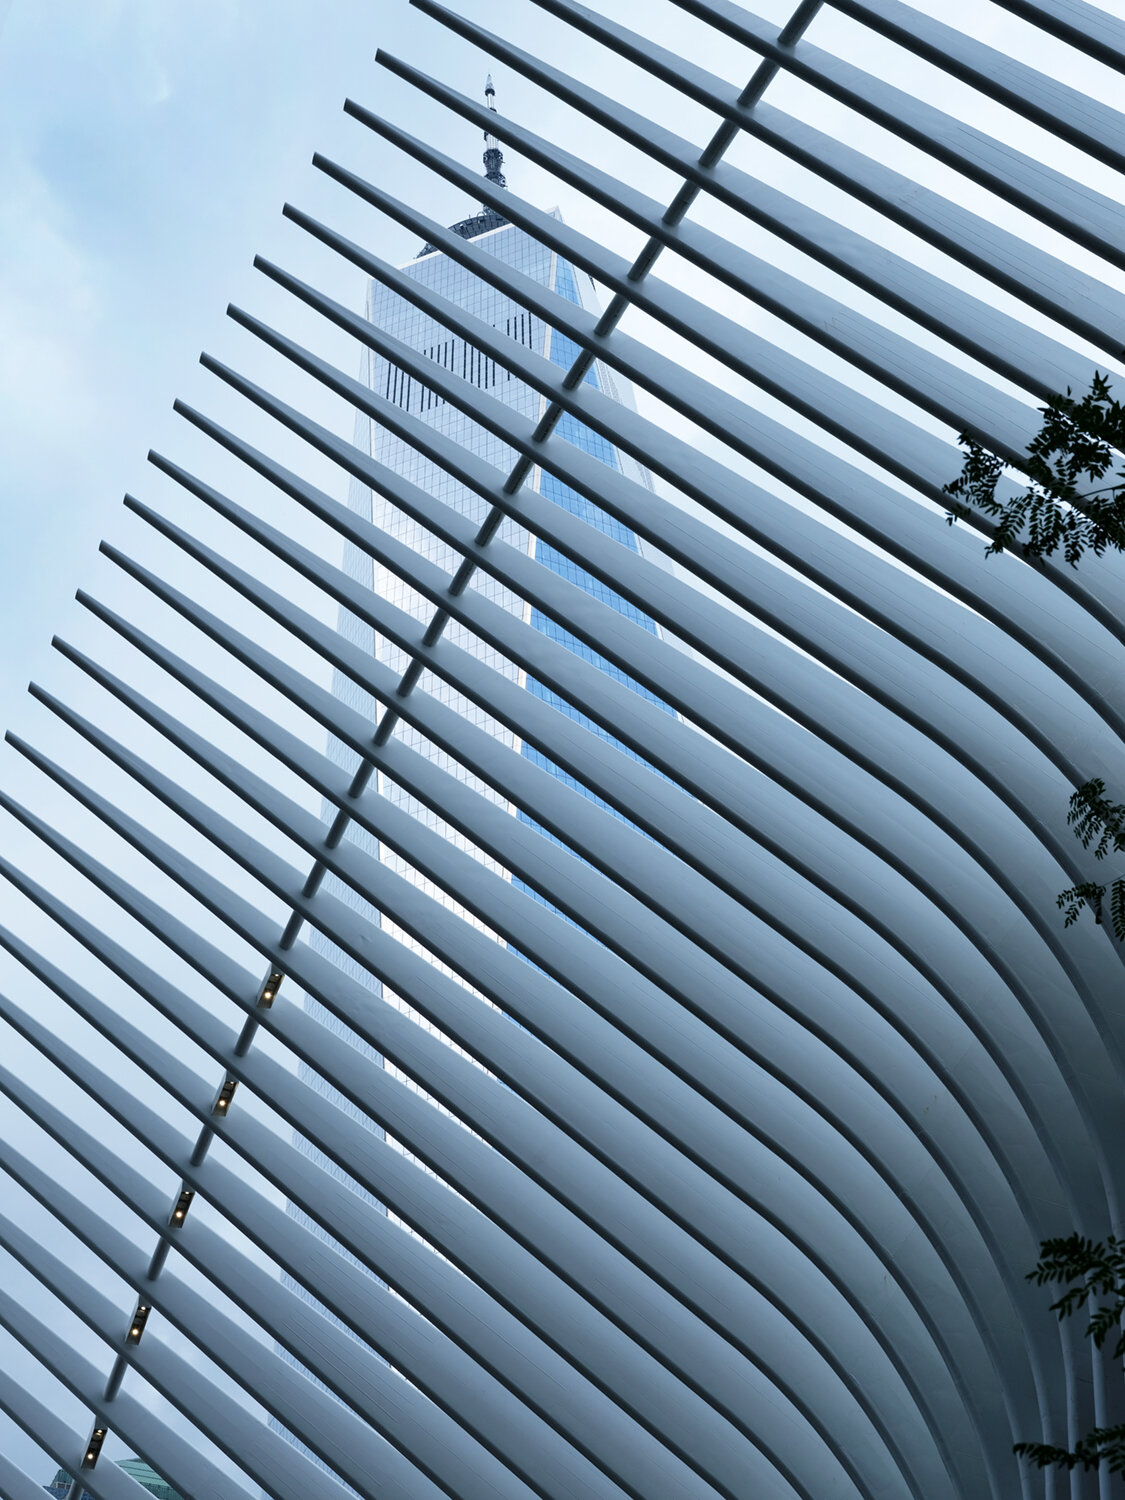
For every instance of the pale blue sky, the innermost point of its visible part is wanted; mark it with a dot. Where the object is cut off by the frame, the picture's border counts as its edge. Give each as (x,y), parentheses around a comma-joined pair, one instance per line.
(146,149)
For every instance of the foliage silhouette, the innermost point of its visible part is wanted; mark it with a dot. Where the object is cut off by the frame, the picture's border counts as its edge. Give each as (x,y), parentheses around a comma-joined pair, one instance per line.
(1066,508)
(1098,1270)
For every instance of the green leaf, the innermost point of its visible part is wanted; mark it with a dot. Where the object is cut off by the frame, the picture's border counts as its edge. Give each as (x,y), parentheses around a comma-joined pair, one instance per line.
(1065,506)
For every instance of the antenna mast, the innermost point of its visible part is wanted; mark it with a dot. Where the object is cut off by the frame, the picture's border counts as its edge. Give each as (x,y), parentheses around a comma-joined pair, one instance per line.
(493,156)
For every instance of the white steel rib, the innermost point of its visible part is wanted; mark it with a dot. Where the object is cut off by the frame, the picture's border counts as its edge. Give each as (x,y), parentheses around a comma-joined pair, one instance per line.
(687,1058)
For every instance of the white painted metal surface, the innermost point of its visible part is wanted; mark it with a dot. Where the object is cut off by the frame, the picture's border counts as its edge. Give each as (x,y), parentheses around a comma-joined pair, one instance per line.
(771,1063)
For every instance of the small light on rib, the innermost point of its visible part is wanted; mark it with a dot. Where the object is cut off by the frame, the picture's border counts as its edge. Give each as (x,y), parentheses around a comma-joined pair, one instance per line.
(270,988)
(226,1094)
(97,1438)
(183,1203)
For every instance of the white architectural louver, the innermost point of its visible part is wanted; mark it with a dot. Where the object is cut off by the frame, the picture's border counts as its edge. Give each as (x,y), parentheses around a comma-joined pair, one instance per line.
(805,1066)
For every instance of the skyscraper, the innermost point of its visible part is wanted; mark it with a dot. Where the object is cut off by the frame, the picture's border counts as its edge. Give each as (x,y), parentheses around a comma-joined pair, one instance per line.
(389,311)
(136,1468)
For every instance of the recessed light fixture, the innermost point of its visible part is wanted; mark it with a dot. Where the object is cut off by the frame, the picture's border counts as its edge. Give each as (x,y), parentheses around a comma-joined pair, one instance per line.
(183,1203)
(226,1094)
(94,1447)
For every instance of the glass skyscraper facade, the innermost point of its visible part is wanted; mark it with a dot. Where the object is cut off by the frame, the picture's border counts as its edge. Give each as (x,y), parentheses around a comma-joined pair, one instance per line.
(136,1468)
(389,311)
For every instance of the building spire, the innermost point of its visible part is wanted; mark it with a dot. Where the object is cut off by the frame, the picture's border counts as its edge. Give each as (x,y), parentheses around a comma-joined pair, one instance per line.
(493,156)
(488,218)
